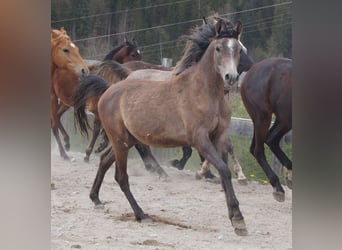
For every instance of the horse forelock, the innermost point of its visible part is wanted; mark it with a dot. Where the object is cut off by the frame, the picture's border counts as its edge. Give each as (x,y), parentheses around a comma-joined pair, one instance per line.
(130,48)
(61,37)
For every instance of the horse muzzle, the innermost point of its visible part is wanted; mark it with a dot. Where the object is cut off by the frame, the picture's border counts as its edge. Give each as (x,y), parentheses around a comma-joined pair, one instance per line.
(231,79)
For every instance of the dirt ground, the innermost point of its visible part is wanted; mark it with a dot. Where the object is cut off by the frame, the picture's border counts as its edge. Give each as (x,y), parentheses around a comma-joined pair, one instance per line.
(187,213)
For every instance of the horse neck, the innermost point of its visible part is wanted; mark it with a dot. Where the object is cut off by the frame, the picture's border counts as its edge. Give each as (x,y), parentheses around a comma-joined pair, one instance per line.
(211,80)
(119,57)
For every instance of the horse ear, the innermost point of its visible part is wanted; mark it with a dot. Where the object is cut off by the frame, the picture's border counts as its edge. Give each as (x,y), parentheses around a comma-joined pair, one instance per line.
(126,40)
(218,26)
(134,41)
(204,20)
(63,30)
(54,34)
(238,27)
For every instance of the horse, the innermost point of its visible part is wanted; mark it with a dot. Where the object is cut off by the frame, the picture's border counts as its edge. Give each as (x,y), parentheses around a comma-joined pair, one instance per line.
(265,90)
(67,66)
(91,89)
(123,53)
(245,63)
(158,75)
(169,114)
(126,52)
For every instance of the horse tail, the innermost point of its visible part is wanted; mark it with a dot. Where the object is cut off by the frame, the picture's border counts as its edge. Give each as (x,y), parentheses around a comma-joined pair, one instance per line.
(91,86)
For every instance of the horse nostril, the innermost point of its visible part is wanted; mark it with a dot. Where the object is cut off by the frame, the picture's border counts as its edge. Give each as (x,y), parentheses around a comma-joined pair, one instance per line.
(227,77)
(83,72)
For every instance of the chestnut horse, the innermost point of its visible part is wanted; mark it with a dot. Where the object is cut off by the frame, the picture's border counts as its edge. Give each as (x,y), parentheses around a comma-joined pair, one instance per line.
(66,67)
(188,109)
(65,81)
(265,90)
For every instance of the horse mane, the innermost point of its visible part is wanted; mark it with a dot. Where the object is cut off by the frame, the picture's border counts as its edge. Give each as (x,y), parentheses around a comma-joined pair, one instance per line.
(130,47)
(111,54)
(198,42)
(112,71)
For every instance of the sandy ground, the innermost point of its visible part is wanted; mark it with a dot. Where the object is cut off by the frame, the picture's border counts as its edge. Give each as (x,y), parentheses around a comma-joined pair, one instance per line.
(188,213)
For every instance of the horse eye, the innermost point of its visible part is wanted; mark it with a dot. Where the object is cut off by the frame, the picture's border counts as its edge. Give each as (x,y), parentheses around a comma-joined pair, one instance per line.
(65,50)
(218,49)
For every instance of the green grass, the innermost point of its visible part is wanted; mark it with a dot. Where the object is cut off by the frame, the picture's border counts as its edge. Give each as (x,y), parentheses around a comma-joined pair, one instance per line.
(236,105)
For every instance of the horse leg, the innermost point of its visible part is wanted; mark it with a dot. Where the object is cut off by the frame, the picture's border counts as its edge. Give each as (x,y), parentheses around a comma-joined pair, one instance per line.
(104,142)
(187,151)
(121,177)
(205,171)
(260,134)
(96,131)
(149,161)
(61,110)
(219,161)
(275,134)
(242,180)
(54,125)
(107,159)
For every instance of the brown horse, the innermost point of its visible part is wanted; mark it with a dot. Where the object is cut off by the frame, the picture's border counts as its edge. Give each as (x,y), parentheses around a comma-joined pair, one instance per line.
(159,75)
(169,114)
(265,90)
(66,67)
(126,52)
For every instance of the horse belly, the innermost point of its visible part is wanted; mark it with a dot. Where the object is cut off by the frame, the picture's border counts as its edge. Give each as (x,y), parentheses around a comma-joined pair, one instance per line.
(156,128)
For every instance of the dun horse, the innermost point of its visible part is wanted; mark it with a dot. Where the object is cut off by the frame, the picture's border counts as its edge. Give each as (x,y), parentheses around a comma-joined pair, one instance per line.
(266,90)
(66,67)
(188,109)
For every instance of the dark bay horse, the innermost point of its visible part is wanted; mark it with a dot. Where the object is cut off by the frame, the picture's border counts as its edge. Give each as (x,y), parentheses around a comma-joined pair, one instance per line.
(265,90)
(169,114)
(66,67)
(123,53)
(126,52)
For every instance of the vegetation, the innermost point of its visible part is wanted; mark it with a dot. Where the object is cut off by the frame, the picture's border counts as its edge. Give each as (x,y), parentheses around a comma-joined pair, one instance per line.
(98,25)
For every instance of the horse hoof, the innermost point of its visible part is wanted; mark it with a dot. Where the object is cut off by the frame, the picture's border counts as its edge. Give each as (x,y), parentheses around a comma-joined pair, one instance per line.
(214,180)
(241,232)
(99,206)
(86,159)
(288,183)
(65,157)
(279,196)
(198,176)
(239,224)
(243,182)
(143,218)
(176,164)
(67,146)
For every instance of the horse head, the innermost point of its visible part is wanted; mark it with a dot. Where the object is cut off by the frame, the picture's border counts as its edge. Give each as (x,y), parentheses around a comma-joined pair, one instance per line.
(65,54)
